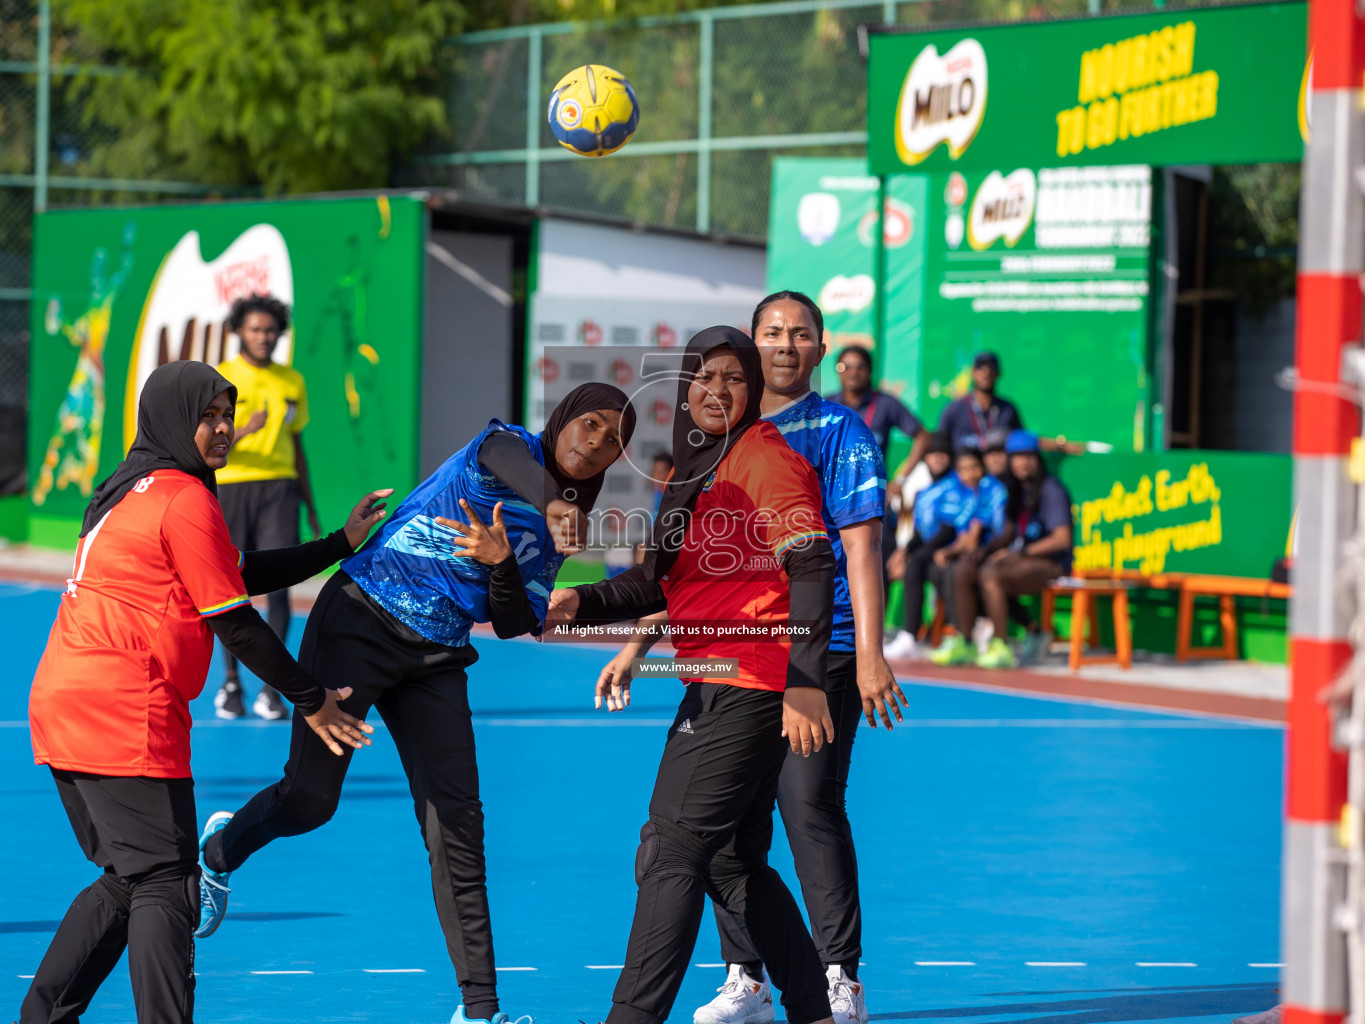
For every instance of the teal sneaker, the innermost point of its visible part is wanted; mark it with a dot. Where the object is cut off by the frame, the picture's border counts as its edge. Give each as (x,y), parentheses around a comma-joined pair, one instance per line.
(953,651)
(997,655)
(498,1018)
(213,885)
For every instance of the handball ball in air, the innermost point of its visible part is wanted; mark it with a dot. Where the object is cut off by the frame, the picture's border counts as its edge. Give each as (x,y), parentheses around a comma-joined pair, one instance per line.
(593,110)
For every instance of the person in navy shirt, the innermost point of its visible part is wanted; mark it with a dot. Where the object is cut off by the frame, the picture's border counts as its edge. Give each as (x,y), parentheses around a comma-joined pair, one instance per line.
(788,327)
(878,410)
(480,540)
(972,419)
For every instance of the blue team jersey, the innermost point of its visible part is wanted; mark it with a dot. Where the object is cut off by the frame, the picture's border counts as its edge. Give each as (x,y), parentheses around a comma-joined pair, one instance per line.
(926,507)
(834,439)
(410,566)
(958,506)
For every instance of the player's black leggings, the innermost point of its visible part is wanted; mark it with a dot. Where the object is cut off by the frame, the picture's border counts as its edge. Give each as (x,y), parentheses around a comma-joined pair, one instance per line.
(142,832)
(810,795)
(709,829)
(420,690)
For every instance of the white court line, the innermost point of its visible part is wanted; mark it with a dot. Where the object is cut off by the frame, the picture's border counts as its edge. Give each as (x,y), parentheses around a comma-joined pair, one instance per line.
(945,963)
(281,972)
(710,965)
(608,967)
(909,723)
(1265,965)
(518,968)
(1053,963)
(29,976)
(1142,963)
(394,970)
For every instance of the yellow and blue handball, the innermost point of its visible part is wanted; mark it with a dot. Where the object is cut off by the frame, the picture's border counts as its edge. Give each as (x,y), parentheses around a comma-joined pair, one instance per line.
(593,110)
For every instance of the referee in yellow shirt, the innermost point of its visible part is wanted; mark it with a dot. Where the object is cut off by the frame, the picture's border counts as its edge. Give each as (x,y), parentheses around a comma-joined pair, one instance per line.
(266,476)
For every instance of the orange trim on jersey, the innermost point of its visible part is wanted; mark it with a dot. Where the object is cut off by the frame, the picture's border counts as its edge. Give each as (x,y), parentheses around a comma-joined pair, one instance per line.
(226,606)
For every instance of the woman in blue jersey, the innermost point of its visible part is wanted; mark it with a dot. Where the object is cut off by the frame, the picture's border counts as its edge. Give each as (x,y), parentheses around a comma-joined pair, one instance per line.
(394,623)
(972,504)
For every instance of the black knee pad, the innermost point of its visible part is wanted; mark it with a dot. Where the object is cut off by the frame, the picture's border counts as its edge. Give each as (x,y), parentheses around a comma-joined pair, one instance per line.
(648,852)
(666,846)
(174,887)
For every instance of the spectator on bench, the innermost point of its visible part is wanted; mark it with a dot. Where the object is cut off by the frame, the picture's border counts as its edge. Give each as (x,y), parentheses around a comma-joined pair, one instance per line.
(918,537)
(973,504)
(1038,553)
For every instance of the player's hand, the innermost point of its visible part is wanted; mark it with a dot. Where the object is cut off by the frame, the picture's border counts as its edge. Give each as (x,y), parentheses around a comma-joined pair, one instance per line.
(805,719)
(941,558)
(256,421)
(568,526)
(879,689)
(336,726)
(614,682)
(895,564)
(368,511)
(486,544)
(563,607)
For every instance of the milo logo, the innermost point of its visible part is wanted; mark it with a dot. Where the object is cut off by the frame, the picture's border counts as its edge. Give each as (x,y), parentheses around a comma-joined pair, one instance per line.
(942,101)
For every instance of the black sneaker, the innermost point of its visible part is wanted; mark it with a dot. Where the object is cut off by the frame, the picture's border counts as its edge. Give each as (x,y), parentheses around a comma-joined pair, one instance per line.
(227,702)
(268,705)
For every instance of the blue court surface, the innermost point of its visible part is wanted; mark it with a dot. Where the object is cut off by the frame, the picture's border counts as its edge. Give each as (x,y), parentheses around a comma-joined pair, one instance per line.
(1021,858)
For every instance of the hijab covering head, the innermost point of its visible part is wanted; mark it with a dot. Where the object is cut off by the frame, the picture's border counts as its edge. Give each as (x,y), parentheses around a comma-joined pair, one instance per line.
(583,399)
(696,453)
(172,401)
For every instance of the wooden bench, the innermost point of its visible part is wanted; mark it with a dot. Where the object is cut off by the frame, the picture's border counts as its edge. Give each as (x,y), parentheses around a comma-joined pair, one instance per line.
(1085,621)
(1227,589)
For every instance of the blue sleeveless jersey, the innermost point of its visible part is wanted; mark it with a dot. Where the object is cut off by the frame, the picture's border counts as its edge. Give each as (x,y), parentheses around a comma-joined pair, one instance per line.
(834,439)
(410,566)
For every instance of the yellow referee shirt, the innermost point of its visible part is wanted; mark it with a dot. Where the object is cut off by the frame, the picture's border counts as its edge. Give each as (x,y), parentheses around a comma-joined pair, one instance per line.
(268,453)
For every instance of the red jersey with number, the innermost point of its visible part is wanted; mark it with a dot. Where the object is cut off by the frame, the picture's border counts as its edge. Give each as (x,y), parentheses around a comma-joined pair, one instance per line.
(131,645)
(728,595)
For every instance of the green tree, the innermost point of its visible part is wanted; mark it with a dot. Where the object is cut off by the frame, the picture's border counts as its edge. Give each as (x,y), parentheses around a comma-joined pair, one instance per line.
(299,96)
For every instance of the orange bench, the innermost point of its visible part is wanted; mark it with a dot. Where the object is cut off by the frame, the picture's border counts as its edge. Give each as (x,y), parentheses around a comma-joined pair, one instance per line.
(1085,621)
(1227,589)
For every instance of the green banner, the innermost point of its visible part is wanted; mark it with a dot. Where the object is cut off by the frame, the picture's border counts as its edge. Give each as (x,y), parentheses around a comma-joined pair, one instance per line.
(1050,270)
(1216,85)
(1225,513)
(822,241)
(117,292)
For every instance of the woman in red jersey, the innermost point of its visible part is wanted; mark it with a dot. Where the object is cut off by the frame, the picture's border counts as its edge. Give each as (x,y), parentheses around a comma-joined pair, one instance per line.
(155,578)
(741,561)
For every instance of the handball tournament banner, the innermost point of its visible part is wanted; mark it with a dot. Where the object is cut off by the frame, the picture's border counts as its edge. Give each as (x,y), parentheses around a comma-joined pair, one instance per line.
(1220,86)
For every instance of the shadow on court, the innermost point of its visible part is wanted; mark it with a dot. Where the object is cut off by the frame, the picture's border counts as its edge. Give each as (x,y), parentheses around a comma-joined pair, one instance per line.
(1132,1005)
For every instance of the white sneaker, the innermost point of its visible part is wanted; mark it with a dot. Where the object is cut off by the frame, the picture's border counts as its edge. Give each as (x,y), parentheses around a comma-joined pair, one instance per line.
(901,646)
(847,1003)
(742,1000)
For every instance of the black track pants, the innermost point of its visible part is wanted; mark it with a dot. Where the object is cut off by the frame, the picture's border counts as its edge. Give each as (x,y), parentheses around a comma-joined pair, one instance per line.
(142,832)
(709,829)
(420,690)
(810,797)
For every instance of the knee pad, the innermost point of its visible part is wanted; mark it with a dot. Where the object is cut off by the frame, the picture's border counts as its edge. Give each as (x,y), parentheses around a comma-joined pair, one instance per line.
(174,888)
(666,846)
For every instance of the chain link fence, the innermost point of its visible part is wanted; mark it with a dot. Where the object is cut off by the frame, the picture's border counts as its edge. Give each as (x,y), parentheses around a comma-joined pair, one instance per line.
(48,142)
(722,92)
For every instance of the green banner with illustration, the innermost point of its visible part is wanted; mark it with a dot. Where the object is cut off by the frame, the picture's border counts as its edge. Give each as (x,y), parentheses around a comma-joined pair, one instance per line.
(1216,85)
(1223,513)
(117,292)
(822,241)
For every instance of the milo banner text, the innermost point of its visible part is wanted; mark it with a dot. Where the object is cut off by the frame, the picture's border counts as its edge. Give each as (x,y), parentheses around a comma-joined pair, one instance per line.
(1219,86)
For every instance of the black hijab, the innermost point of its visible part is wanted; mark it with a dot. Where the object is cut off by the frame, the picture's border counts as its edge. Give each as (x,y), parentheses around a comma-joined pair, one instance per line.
(582,399)
(173,399)
(694,460)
